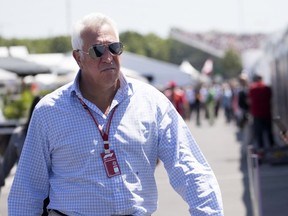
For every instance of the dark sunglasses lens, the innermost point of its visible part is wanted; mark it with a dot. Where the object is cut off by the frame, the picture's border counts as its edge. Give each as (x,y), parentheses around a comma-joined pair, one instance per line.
(99,50)
(96,51)
(116,48)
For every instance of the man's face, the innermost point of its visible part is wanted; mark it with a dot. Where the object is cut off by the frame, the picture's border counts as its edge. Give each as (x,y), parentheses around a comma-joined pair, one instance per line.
(102,71)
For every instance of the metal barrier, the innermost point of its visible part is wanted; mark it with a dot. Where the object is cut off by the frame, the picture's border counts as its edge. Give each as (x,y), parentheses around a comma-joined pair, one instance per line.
(254,181)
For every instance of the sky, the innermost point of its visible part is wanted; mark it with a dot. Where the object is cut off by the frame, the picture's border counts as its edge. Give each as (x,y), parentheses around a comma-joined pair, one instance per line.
(47,18)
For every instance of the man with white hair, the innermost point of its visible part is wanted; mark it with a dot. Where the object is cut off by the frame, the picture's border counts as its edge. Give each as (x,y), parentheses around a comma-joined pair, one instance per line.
(93,144)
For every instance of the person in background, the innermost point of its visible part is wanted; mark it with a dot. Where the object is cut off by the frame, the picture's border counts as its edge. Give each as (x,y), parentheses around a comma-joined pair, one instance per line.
(93,144)
(260,96)
(243,117)
(210,104)
(190,95)
(204,97)
(217,98)
(198,105)
(226,101)
(178,99)
(243,102)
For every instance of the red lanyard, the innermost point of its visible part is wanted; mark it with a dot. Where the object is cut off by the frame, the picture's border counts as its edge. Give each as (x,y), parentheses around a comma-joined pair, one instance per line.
(104,134)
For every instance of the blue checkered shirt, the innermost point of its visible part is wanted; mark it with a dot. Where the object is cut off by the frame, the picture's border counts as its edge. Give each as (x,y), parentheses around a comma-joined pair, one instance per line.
(61,156)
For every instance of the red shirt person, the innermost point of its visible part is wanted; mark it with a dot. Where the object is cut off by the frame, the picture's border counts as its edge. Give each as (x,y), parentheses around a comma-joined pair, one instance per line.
(260,99)
(177,98)
(260,96)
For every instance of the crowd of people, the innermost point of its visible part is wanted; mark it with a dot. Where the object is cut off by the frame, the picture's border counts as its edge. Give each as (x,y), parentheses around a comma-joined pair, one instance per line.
(201,102)
(247,103)
(223,41)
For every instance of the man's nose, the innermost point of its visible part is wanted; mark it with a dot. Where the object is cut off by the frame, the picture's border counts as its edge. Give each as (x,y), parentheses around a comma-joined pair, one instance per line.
(107,56)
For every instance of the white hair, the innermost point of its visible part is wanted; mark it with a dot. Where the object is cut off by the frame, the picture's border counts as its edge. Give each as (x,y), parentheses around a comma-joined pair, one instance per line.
(93,20)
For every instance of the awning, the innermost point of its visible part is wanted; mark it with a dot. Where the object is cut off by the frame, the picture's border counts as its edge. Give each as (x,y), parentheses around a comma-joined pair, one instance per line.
(21,67)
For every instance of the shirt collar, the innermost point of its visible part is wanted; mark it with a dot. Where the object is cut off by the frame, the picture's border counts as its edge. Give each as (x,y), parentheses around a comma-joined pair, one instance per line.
(122,93)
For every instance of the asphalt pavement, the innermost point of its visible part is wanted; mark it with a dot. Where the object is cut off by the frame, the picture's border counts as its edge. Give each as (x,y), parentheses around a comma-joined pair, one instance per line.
(227,156)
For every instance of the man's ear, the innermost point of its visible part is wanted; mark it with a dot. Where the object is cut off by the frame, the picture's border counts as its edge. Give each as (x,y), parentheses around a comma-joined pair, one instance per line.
(77,57)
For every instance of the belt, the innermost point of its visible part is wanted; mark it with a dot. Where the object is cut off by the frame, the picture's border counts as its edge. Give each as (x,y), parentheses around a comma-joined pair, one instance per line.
(62,214)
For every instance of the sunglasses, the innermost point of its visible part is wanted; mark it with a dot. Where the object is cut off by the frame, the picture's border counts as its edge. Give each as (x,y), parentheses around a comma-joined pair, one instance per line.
(97,50)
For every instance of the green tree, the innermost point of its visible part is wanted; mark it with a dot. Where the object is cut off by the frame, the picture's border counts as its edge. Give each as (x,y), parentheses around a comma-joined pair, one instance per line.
(149,45)
(60,44)
(231,64)
(133,42)
(15,109)
(156,47)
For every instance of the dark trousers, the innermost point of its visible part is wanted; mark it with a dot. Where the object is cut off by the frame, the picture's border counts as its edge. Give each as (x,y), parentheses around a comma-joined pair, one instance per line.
(263,127)
(45,204)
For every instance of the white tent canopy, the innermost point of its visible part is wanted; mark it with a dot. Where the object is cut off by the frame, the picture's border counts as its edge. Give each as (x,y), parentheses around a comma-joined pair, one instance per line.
(159,72)
(189,69)
(196,76)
